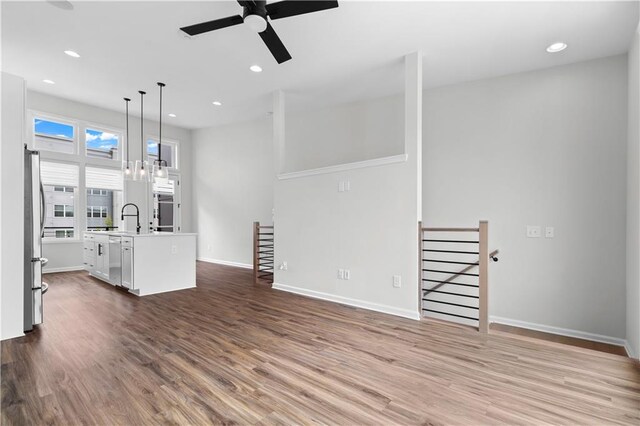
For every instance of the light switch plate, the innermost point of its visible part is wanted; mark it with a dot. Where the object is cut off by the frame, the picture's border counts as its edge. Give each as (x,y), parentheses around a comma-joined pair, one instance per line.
(549,232)
(397,281)
(341,274)
(533,231)
(347,274)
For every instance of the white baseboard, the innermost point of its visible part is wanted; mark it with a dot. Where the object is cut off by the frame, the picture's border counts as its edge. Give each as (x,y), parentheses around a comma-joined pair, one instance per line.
(405,313)
(226,262)
(63,269)
(630,352)
(562,331)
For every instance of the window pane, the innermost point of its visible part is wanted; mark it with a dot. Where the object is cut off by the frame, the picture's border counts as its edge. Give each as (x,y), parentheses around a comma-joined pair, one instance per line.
(168,152)
(59,213)
(105,208)
(102,144)
(53,136)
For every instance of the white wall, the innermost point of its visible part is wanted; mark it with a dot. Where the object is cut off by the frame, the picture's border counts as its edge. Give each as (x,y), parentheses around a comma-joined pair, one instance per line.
(232,187)
(633,200)
(371,230)
(67,254)
(12,221)
(344,134)
(539,148)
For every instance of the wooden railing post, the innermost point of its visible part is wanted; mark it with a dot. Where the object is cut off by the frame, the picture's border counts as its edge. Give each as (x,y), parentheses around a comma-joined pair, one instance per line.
(256,255)
(483,312)
(420,254)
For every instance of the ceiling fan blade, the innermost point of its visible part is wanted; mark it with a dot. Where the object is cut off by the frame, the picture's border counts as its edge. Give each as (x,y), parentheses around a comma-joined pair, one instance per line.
(216,24)
(274,44)
(286,8)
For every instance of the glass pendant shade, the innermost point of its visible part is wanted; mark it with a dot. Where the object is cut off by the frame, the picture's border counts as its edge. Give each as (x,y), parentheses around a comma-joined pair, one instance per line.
(127,170)
(159,171)
(141,171)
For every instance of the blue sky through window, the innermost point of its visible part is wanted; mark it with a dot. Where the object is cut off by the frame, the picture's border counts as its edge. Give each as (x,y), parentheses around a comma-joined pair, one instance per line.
(51,128)
(104,141)
(152,147)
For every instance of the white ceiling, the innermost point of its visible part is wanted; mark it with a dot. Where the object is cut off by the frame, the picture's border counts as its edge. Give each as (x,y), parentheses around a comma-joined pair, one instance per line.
(339,55)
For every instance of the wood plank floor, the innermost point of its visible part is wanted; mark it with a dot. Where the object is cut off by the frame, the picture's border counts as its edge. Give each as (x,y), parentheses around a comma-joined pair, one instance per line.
(229,352)
(582,343)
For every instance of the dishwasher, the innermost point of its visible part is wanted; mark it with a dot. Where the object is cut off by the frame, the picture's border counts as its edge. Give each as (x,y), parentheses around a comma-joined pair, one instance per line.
(115,260)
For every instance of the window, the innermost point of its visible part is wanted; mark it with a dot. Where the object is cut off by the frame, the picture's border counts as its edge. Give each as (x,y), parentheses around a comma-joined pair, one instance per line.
(169,152)
(98,211)
(59,181)
(62,210)
(104,197)
(102,144)
(64,233)
(166,205)
(62,189)
(50,135)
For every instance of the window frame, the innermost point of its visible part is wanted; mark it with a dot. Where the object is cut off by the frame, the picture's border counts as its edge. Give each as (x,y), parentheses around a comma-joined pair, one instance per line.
(165,141)
(33,115)
(79,159)
(100,128)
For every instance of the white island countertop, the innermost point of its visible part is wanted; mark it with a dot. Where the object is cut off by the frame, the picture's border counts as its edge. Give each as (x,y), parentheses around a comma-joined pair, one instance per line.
(133,234)
(145,264)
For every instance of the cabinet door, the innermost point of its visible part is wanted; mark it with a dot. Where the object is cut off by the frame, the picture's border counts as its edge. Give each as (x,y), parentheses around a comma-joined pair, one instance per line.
(127,267)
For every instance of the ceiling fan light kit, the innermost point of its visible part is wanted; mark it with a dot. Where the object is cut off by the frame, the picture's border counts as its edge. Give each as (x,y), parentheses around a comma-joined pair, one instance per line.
(256,15)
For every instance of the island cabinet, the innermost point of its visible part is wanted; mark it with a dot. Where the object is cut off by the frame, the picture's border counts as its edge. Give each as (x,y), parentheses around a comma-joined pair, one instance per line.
(96,255)
(142,263)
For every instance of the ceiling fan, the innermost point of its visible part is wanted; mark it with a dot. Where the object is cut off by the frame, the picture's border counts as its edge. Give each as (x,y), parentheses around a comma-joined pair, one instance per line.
(255,15)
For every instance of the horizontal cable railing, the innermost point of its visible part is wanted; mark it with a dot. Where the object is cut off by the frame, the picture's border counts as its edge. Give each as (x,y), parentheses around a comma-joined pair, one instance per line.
(454,273)
(263,252)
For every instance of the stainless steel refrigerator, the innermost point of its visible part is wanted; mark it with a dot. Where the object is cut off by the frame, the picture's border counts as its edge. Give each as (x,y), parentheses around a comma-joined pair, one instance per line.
(34,216)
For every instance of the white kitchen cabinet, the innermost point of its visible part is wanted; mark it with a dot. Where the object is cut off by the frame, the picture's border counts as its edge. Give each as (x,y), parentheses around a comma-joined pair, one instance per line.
(101,266)
(88,253)
(127,263)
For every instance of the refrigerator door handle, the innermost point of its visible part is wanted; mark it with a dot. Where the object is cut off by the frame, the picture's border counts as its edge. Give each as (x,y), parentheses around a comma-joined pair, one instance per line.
(42,210)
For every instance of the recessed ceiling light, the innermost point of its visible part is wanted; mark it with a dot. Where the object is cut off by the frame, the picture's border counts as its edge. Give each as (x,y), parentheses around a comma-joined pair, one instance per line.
(255,68)
(49,81)
(72,53)
(172,115)
(217,103)
(557,47)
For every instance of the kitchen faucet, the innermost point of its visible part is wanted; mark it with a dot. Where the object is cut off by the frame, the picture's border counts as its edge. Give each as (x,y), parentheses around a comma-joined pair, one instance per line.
(137,215)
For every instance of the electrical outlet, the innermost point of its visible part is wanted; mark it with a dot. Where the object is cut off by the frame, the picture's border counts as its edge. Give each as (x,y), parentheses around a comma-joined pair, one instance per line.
(533,231)
(347,274)
(174,249)
(284,266)
(397,281)
(209,247)
(549,232)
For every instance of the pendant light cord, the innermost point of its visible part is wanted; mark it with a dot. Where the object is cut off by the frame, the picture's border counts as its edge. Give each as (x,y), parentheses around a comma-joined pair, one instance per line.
(142,128)
(127,100)
(161,85)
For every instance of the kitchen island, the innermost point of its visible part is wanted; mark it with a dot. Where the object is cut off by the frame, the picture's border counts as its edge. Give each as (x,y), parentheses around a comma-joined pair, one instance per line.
(143,263)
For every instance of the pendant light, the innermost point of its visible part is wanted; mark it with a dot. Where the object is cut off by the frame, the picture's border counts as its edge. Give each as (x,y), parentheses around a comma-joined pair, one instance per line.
(127,166)
(141,172)
(160,165)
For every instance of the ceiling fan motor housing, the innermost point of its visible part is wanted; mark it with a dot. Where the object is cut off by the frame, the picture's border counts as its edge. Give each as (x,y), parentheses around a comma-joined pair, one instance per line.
(255,16)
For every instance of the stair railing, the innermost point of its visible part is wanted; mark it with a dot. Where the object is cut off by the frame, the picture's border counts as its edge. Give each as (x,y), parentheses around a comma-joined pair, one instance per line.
(263,252)
(465,299)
